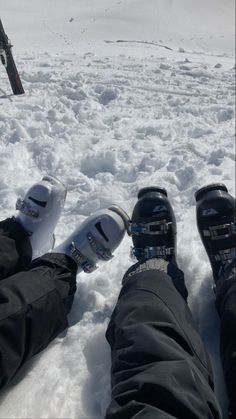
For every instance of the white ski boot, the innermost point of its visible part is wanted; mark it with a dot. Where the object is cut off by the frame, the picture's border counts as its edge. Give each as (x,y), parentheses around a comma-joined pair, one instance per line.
(39,212)
(96,238)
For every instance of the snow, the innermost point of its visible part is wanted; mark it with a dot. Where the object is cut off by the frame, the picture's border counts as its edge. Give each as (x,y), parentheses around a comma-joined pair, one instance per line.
(108,118)
(198,26)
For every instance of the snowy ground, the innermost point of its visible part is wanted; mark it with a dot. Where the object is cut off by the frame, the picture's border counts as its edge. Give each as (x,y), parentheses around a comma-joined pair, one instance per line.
(109,118)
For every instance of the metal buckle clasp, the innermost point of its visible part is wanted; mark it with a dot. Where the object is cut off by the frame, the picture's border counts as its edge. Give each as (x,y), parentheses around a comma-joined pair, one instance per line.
(152,252)
(224,255)
(81,260)
(214,231)
(26,208)
(147,228)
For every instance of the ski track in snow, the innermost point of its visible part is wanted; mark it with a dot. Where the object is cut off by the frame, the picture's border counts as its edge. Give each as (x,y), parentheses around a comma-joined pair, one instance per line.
(107,126)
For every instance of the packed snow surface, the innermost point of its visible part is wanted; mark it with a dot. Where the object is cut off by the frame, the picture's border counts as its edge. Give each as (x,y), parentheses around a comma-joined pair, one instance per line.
(108,118)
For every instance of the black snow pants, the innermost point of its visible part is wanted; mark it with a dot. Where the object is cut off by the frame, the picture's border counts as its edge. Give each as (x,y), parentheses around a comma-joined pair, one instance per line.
(34,298)
(159,367)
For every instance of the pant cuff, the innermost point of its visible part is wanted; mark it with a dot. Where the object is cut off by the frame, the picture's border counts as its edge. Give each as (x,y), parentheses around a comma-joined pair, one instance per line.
(161,265)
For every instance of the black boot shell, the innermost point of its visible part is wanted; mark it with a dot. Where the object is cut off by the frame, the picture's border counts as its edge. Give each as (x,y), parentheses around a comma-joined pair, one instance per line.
(216,224)
(153,206)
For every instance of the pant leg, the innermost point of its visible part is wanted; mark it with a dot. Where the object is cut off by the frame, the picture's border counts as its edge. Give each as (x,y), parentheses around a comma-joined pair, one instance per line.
(15,248)
(33,310)
(159,366)
(226,305)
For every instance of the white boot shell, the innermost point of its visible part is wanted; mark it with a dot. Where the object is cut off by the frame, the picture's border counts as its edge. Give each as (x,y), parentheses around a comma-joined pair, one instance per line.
(39,211)
(96,238)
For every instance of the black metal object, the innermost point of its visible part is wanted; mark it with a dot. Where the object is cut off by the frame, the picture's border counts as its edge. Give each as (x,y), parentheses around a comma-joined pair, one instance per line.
(9,63)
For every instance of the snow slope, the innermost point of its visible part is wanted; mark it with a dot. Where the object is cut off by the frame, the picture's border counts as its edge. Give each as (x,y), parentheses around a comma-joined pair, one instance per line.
(197,25)
(109,118)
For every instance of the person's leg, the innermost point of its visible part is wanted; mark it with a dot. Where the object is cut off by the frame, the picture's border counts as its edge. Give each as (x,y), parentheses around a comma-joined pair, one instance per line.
(216,218)
(34,297)
(15,248)
(33,310)
(159,366)
(34,303)
(226,305)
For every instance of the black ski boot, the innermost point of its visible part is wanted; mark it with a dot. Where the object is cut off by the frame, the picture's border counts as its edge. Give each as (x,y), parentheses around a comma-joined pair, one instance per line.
(153,226)
(216,216)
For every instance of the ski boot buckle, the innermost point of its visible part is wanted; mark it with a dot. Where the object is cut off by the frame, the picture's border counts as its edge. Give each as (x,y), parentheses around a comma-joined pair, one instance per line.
(81,260)
(152,228)
(25,208)
(219,232)
(224,255)
(152,252)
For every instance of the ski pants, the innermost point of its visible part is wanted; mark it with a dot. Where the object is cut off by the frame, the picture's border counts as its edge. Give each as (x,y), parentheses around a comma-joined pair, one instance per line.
(159,366)
(34,298)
